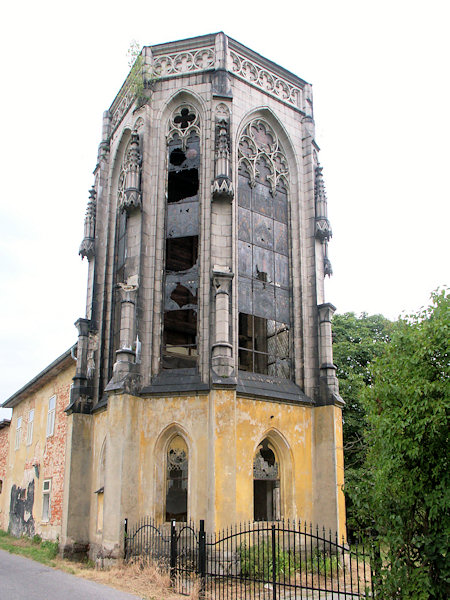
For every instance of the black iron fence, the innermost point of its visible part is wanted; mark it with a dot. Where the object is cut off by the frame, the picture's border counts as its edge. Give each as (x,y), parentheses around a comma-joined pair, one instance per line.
(270,561)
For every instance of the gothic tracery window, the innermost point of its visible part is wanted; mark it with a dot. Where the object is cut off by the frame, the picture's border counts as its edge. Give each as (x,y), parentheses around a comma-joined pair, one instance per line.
(182,230)
(177,480)
(266,484)
(263,262)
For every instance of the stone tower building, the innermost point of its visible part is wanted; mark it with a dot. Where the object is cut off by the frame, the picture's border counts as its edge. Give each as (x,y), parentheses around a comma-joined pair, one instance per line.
(205,385)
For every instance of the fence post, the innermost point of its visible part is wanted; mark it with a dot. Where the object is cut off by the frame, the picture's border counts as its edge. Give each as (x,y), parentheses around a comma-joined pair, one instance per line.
(202,556)
(274,564)
(173,550)
(125,540)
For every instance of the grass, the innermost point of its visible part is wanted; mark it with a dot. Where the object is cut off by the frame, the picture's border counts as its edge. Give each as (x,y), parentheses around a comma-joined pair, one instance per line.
(143,577)
(35,548)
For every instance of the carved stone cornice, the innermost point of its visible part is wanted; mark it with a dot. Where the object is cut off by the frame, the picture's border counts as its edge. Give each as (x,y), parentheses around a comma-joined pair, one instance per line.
(221,280)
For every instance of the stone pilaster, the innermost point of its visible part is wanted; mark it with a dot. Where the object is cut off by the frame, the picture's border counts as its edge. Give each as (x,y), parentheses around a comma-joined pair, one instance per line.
(124,370)
(222,360)
(329,389)
(80,400)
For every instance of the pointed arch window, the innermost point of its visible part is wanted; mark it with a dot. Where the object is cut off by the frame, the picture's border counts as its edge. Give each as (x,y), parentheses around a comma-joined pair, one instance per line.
(266,484)
(179,348)
(177,480)
(263,247)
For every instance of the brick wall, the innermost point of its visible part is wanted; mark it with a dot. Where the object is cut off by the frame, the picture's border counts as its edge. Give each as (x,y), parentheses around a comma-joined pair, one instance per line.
(55,452)
(4,447)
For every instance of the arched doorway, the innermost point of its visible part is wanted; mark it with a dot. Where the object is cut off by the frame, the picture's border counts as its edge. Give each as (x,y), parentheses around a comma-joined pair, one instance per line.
(266,484)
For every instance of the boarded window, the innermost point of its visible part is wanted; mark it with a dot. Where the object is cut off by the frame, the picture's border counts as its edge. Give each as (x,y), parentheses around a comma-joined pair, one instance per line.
(177,480)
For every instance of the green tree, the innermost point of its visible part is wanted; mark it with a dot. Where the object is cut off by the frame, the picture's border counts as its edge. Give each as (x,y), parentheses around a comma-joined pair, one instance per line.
(357,342)
(406,498)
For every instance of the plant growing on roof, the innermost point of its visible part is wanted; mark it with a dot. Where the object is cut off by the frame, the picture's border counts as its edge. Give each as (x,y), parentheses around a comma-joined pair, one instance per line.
(141,74)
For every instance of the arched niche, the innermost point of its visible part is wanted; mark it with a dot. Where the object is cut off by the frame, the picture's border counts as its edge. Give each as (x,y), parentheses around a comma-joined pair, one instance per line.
(172,477)
(273,485)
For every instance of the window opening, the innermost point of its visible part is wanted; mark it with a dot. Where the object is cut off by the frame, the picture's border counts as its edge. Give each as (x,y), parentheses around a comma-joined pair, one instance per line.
(182,228)
(263,254)
(30,427)
(177,480)
(185,118)
(18,433)
(181,253)
(51,416)
(46,507)
(266,484)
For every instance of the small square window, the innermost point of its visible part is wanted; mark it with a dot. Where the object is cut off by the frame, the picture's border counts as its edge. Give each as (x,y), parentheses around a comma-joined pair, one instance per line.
(51,416)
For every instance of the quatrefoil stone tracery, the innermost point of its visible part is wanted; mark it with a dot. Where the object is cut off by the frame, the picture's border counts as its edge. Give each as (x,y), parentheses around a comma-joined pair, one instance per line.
(183,122)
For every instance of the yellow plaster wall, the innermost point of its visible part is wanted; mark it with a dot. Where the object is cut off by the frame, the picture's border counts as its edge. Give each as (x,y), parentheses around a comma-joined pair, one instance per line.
(289,428)
(222,432)
(342,531)
(99,437)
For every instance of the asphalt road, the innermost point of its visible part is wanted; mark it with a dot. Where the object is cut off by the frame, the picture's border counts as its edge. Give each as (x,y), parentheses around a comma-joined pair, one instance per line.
(25,579)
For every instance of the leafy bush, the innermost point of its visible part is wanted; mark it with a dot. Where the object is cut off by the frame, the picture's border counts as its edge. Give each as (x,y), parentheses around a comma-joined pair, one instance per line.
(257,562)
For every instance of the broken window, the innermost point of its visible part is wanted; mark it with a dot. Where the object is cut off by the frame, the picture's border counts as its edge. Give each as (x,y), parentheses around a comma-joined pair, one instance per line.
(263,253)
(266,484)
(264,287)
(179,348)
(177,480)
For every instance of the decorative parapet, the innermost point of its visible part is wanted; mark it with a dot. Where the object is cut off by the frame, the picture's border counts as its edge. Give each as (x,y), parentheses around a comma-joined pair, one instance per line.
(265,79)
(219,54)
(87,247)
(179,63)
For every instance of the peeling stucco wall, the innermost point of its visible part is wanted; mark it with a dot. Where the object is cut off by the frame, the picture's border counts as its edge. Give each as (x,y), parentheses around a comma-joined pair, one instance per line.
(21,520)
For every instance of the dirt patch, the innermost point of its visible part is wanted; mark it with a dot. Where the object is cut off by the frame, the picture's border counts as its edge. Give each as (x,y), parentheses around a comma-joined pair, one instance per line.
(144,578)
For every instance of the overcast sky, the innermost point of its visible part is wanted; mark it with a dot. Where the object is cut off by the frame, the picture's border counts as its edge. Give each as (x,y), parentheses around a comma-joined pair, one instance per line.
(380,74)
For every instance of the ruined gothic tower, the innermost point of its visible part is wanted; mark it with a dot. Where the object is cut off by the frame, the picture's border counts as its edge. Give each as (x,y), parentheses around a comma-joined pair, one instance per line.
(205,385)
